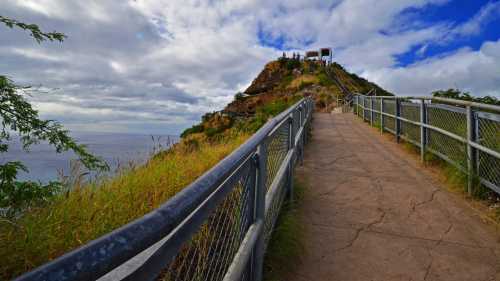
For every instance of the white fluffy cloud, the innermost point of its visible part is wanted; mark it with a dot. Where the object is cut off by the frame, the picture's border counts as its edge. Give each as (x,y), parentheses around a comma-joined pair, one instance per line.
(474,71)
(155,66)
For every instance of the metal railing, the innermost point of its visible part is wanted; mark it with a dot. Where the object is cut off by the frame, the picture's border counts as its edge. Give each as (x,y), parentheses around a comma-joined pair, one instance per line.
(217,228)
(465,134)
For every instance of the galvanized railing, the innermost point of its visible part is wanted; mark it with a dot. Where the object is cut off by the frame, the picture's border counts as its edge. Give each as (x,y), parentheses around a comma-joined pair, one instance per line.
(465,134)
(217,228)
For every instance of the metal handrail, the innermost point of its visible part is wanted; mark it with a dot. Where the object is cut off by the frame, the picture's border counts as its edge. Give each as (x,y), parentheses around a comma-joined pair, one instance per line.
(440,99)
(178,219)
(476,166)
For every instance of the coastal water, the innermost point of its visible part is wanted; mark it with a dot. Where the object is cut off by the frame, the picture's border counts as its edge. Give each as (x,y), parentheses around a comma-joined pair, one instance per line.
(117,149)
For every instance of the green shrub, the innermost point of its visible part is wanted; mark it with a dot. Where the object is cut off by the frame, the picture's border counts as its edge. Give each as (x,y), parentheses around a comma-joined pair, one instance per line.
(324,80)
(239,96)
(293,64)
(273,108)
(211,132)
(287,80)
(193,130)
(16,196)
(459,95)
(304,84)
(255,123)
(191,145)
(289,63)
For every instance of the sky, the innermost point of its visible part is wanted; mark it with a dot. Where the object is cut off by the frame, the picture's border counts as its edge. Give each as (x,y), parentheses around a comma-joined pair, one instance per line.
(156,66)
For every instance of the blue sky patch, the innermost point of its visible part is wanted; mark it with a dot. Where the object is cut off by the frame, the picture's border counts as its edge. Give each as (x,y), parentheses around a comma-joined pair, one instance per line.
(268,40)
(279,42)
(454,13)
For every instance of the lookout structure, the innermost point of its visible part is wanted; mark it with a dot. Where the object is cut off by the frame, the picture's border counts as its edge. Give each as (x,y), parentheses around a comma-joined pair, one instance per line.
(320,54)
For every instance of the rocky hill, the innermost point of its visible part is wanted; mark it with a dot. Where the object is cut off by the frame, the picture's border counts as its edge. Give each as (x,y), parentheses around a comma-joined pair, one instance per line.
(280,84)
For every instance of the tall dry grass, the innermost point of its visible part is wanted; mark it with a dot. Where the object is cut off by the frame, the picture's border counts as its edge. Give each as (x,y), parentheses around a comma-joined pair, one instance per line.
(87,212)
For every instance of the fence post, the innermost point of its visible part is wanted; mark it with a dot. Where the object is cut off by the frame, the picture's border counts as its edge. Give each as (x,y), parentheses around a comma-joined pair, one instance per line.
(306,129)
(301,140)
(259,210)
(381,115)
(355,103)
(364,110)
(398,122)
(291,147)
(423,130)
(371,112)
(357,106)
(477,137)
(470,149)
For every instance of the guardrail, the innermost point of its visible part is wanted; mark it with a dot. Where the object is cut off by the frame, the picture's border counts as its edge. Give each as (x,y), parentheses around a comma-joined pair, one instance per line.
(217,228)
(465,134)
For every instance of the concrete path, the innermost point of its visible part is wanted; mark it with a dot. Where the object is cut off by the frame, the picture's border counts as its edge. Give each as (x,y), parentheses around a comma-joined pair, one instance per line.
(372,213)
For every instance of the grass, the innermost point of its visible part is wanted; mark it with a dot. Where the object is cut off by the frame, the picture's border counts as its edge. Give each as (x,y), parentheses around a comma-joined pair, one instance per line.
(457,180)
(287,242)
(303,81)
(88,212)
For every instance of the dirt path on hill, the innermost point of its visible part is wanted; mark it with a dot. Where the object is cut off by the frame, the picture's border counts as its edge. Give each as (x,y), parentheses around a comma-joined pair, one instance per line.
(372,214)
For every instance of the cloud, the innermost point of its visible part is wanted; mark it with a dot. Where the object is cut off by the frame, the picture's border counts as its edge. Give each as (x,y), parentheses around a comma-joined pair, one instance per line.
(380,50)
(156,66)
(474,71)
(126,68)
(475,25)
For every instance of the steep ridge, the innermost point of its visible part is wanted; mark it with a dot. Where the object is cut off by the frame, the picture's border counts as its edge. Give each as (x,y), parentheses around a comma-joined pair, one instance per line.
(281,83)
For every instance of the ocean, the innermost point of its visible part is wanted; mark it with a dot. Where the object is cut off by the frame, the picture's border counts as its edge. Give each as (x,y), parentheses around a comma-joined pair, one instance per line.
(117,149)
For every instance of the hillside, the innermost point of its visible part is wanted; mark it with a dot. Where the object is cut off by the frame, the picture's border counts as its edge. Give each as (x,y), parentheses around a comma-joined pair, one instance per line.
(280,84)
(87,211)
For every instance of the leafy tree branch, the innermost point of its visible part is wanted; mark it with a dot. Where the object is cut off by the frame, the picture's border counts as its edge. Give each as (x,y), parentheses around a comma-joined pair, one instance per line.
(18,115)
(34,30)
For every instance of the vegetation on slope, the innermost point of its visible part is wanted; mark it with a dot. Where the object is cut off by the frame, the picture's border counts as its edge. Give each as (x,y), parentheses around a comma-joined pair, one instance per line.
(459,95)
(92,210)
(287,241)
(355,83)
(88,212)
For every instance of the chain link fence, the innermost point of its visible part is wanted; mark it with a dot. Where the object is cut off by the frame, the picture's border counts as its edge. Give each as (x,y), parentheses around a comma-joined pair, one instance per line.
(215,229)
(465,134)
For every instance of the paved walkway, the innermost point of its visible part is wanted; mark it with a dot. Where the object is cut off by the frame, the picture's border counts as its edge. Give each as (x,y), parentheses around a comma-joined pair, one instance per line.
(372,214)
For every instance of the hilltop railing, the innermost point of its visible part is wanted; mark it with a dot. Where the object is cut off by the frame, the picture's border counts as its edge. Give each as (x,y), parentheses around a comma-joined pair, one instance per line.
(217,228)
(464,134)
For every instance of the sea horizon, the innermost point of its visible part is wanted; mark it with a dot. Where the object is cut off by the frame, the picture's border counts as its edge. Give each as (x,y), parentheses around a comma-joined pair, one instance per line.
(119,150)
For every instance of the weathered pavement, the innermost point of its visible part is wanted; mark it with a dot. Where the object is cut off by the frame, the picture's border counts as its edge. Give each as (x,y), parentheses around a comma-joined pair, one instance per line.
(372,214)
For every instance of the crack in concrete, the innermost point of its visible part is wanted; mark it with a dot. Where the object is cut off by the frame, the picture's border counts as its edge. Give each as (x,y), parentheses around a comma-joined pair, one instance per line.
(337,159)
(419,204)
(428,269)
(361,229)
(429,239)
(379,220)
(429,251)
(334,188)
(383,213)
(321,166)
(444,234)
(429,266)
